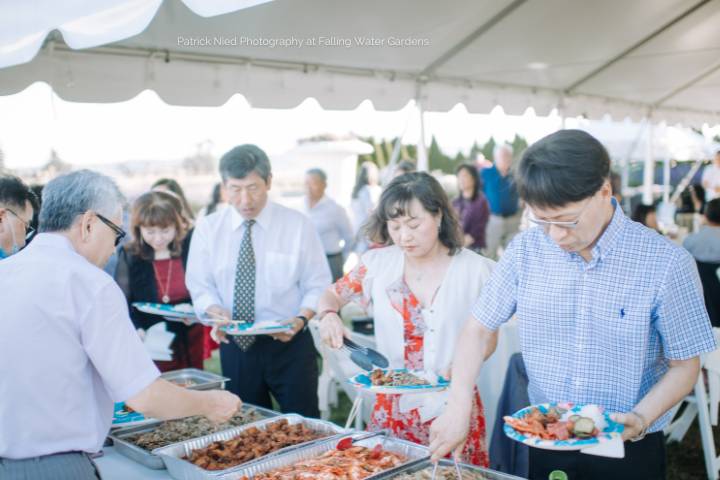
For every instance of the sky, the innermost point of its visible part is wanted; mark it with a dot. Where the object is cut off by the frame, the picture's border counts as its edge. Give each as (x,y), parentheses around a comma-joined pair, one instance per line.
(35,121)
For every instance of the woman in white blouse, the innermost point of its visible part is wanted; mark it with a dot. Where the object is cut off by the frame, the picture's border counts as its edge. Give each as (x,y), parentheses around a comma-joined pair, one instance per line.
(420,288)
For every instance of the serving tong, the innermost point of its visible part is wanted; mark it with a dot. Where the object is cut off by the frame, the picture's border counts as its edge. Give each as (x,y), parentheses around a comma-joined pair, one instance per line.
(364,357)
(458,472)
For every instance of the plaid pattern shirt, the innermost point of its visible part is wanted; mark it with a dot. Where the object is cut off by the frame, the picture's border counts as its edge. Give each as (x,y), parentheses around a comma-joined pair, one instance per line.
(603,331)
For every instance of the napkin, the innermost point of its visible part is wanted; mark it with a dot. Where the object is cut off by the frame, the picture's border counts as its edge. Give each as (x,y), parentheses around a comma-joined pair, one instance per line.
(615,448)
(157,342)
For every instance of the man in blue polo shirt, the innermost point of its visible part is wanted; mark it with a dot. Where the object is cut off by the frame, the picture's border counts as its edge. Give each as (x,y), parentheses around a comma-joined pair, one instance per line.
(609,313)
(503,199)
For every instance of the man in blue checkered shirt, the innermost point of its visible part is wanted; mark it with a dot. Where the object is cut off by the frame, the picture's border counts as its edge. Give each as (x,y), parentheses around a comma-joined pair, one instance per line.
(609,313)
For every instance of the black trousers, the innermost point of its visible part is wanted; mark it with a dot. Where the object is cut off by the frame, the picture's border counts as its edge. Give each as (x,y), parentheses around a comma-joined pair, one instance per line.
(287,370)
(643,460)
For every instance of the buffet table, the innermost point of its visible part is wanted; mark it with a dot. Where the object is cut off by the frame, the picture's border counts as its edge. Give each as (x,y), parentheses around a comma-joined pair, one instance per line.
(114,466)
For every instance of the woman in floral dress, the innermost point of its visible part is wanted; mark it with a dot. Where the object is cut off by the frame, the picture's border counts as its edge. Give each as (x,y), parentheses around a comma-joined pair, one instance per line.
(419,287)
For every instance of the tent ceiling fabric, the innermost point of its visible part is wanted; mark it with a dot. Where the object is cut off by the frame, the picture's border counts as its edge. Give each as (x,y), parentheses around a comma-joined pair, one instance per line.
(588,58)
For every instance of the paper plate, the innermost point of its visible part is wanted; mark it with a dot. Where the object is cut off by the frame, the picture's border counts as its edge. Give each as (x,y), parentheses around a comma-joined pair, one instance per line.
(361,381)
(183,310)
(610,432)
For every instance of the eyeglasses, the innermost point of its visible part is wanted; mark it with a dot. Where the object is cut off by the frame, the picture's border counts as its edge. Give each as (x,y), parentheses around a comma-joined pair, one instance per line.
(119,232)
(29,230)
(572,225)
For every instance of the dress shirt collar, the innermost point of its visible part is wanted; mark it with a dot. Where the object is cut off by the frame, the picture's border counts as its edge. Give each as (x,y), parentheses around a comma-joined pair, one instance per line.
(264,219)
(611,234)
(320,202)
(53,240)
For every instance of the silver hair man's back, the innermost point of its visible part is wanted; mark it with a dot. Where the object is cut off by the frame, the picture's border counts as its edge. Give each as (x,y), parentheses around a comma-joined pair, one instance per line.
(73,194)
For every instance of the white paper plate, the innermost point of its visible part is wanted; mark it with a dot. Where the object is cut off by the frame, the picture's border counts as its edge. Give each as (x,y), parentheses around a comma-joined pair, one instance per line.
(170,312)
(245,329)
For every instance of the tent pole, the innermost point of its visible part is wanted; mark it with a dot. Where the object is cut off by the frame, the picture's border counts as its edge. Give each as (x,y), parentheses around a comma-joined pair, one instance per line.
(423,163)
(666,179)
(649,170)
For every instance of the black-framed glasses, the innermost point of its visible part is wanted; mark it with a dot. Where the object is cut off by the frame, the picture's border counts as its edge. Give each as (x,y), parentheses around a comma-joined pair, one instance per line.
(29,230)
(119,232)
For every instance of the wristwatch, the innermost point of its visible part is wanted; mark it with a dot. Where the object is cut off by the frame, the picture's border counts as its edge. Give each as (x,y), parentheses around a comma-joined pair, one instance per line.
(304,320)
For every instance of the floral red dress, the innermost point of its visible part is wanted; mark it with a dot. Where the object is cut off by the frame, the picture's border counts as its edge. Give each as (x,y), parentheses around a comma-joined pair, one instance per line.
(386,413)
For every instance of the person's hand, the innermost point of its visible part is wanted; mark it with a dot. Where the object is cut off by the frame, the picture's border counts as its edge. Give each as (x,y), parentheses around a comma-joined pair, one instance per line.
(449,431)
(222,317)
(332,330)
(634,425)
(220,405)
(188,320)
(296,324)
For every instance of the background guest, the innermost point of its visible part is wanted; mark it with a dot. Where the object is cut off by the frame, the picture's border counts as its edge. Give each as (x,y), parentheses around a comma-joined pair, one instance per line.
(503,198)
(647,215)
(151,268)
(172,186)
(472,207)
(711,178)
(218,201)
(330,221)
(704,245)
(365,196)
(17,206)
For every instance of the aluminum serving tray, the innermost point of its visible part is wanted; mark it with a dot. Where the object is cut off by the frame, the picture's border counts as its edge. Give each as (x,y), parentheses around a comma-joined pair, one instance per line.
(415,454)
(149,458)
(486,473)
(202,380)
(180,469)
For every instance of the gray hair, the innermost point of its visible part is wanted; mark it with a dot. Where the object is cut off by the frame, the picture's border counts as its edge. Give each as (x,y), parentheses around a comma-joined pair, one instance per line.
(502,147)
(318,172)
(243,160)
(73,194)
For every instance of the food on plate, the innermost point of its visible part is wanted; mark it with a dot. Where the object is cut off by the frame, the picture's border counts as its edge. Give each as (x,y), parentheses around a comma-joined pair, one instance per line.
(354,463)
(252,443)
(443,473)
(559,424)
(174,431)
(395,379)
(125,410)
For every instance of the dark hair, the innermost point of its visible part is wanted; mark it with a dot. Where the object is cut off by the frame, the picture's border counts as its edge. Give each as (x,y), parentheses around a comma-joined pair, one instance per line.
(564,167)
(475,176)
(319,173)
(640,213)
(175,188)
(14,193)
(406,166)
(244,159)
(395,201)
(156,209)
(215,198)
(712,211)
(363,177)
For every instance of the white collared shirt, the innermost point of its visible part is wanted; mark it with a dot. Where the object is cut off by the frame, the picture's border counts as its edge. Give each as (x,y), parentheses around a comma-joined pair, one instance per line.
(68,350)
(291,269)
(332,224)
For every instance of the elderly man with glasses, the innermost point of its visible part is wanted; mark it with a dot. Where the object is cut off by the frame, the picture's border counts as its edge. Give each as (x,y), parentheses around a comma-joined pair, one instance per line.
(17,206)
(609,313)
(68,349)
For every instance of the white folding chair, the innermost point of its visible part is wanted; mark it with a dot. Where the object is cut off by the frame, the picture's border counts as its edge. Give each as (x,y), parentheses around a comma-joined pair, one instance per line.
(702,404)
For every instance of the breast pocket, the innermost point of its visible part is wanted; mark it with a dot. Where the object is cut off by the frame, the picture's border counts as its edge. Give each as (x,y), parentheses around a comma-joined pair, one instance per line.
(281,271)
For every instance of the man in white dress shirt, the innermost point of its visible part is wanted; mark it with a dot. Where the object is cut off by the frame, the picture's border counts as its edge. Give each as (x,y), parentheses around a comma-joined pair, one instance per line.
(330,220)
(68,349)
(260,262)
(711,179)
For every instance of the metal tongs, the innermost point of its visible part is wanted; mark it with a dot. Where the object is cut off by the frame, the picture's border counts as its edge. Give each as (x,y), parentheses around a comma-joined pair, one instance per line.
(458,472)
(347,442)
(364,357)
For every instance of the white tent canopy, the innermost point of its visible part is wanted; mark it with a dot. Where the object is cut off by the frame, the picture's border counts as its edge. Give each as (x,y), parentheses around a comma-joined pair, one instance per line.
(646,57)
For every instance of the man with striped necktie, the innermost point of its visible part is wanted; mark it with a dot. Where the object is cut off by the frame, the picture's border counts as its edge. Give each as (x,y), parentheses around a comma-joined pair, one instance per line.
(260,262)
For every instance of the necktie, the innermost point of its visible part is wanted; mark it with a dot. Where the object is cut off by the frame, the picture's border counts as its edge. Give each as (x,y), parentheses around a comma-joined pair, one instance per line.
(244,292)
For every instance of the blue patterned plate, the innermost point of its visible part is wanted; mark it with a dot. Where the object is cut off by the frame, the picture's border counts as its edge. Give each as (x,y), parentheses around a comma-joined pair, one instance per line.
(182,310)
(255,329)
(362,381)
(122,417)
(611,431)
